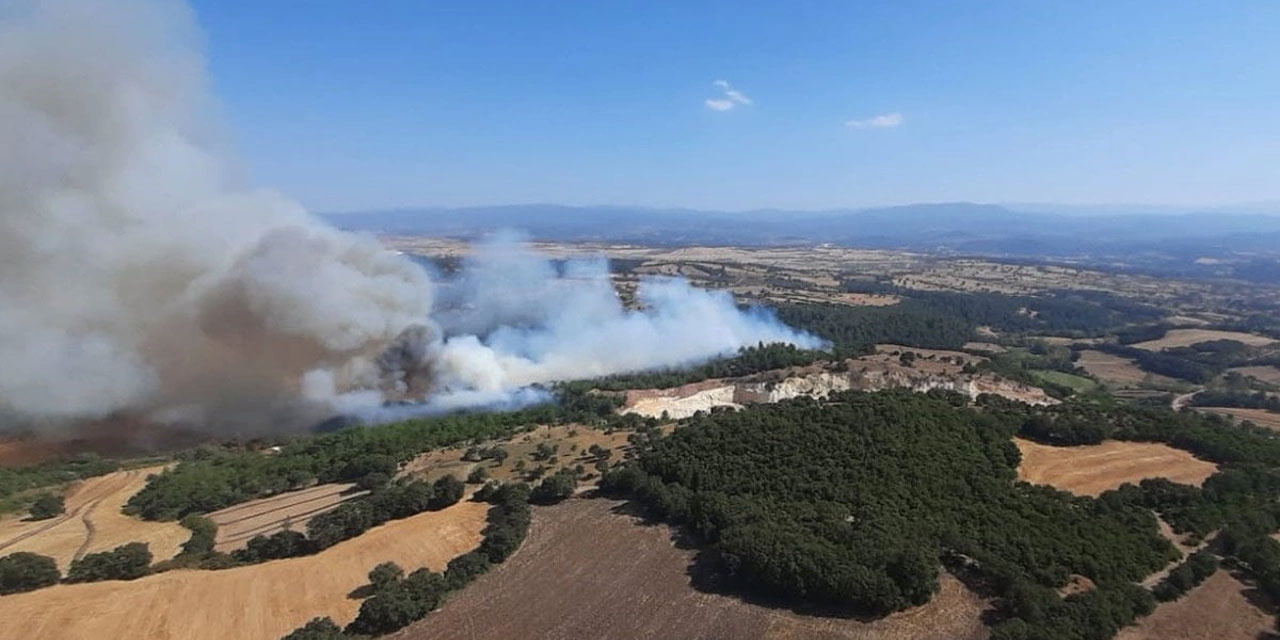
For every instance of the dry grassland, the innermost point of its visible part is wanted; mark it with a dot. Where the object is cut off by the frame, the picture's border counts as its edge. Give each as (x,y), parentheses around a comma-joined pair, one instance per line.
(586,571)
(1188,337)
(572,442)
(93,523)
(1092,469)
(1218,609)
(239,523)
(262,601)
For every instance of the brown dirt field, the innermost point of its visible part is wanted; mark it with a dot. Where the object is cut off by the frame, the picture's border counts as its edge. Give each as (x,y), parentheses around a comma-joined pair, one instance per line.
(586,571)
(237,524)
(1092,469)
(1260,417)
(1269,375)
(1217,609)
(93,523)
(1188,337)
(262,601)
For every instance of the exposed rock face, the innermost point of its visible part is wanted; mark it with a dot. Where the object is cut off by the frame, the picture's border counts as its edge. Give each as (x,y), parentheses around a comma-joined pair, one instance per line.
(816,382)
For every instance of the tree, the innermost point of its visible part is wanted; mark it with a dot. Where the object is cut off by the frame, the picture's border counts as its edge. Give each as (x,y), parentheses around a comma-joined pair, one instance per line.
(555,487)
(446,491)
(203,534)
(125,562)
(317,629)
(478,475)
(373,481)
(25,571)
(385,575)
(47,506)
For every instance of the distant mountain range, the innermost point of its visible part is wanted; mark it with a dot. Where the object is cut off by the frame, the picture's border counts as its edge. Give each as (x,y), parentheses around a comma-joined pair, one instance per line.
(1220,243)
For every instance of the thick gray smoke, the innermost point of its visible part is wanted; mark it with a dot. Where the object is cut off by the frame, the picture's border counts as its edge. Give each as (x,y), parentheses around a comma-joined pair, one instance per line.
(137,276)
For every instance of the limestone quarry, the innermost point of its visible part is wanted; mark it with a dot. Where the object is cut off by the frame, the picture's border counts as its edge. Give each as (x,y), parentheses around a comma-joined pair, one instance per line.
(874,373)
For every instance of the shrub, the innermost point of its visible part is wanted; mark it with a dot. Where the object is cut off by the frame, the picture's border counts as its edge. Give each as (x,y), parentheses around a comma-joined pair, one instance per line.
(555,488)
(203,534)
(283,544)
(125,562)
(445,492)
(316,629)
(25,571)
(47,506)
(400,604)
(385,575)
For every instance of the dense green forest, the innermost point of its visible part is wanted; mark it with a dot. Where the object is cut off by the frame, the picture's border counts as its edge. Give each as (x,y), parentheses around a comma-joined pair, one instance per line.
(857,502)
(947,320)
(749,360)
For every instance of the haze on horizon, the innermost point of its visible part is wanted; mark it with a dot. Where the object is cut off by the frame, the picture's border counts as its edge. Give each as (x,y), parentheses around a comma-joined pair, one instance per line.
(721,106)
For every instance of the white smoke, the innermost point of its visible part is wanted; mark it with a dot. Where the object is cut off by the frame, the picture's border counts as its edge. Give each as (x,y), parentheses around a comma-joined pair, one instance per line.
(136,275)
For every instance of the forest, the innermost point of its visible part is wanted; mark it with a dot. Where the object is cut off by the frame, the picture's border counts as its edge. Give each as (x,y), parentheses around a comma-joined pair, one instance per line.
(947,320)
(858,502)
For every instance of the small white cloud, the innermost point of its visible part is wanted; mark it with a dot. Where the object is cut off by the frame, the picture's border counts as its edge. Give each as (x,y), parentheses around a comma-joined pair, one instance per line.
(882,121)
(732,97)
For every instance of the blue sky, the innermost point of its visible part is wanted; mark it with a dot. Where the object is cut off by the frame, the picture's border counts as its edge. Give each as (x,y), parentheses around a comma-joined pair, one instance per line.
(349,105)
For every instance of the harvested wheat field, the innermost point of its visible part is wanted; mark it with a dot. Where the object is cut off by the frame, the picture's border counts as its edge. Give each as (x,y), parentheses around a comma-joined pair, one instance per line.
(93,523)
(586,571)
(238,524)
(1217,609)
(1188,337)
(1117,371)
(1092,469)
(1260,417)
(262,601)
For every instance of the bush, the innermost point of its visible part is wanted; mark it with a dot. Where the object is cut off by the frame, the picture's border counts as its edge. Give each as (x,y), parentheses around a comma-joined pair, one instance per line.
(125,562)
(478,475)
(555,488)
(282,544)
(445,492)
(25,571)
(400,604)
(385,575)
(47,506)
(316,629)
(465,568)
(203,534)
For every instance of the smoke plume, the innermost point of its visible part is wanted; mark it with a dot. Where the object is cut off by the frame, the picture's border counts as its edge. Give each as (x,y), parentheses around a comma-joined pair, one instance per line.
(138,276)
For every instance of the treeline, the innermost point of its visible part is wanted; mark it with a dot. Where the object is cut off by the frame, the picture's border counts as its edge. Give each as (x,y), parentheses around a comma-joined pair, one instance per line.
(1198,363)
(1186,576)
(1160,362)
(857,501)
(53,472)
(211,478)
(398,600)
(26,571)
(754,359)
(1060,312)
(350,519)
(1235,398)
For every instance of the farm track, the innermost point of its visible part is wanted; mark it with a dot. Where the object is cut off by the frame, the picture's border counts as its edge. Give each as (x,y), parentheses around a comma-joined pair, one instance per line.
(83,510)
(239,523)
